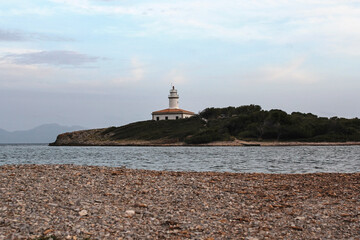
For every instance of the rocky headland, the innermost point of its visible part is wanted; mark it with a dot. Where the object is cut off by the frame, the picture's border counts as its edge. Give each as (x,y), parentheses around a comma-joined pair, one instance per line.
(241,126)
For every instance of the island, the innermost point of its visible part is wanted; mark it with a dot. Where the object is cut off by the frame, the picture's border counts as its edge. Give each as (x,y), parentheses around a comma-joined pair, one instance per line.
(248,125)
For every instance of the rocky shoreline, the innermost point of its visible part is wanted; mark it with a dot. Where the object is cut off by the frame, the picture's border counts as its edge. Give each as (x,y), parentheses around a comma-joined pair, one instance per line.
(237,143)
(86,202)
(95,137)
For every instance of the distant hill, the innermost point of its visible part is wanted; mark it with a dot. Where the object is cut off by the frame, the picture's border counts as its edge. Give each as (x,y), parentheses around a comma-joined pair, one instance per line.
(42,134)
(244,123)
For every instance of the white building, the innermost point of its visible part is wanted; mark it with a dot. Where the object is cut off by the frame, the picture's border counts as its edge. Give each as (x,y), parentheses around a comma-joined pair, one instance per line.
(173,112)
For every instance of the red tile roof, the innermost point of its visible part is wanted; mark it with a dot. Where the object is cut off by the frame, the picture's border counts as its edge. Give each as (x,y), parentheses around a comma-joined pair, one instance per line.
(172,111)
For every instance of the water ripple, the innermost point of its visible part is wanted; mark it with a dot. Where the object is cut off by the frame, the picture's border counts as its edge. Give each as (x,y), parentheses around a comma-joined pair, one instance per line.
(300,159)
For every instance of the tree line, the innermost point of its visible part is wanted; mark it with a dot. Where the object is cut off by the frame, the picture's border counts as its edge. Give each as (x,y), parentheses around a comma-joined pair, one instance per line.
(251,122)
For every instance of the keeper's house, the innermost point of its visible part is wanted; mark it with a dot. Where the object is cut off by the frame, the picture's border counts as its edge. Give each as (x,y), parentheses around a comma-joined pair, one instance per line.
(173,112)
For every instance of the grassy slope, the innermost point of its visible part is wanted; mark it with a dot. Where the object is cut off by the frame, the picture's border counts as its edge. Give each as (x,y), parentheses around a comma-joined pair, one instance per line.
(152,130)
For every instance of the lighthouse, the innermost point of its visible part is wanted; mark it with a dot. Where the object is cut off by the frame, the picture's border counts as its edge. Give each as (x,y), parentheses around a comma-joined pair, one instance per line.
(173,99)
(173,112)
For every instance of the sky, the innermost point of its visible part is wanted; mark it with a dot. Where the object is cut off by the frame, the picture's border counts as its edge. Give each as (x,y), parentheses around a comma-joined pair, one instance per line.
(101,63)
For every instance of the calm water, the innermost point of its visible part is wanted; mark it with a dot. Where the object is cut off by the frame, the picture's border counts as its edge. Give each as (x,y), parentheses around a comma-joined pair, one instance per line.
(231,159)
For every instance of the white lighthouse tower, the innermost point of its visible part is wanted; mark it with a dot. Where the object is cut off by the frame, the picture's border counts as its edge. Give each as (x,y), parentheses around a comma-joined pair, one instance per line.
(173,99)
(173,112)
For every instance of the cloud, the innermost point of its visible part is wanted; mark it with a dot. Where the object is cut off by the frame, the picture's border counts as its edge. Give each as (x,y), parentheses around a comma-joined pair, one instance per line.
(137,69)
(48,37)
(176,77)
(22,68)
(22,8)
(51,78)
(21,36)
(134,73)
(291,72)
(275,22)
(11,36)
(57,58)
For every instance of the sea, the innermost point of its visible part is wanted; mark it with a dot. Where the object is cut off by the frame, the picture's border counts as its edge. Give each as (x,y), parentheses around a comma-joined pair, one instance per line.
(294,159)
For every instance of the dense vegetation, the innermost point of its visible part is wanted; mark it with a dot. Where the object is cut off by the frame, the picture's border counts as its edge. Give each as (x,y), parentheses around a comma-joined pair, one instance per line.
(246,123)
(253,123)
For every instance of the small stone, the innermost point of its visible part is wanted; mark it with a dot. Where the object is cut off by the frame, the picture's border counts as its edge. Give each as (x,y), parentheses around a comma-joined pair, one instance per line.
(48,231)
(140,205)
(296,228)
(83,213)
(129,213)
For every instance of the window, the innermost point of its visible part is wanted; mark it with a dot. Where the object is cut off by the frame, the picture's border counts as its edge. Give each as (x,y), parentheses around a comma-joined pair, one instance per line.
(157,119)
(166,118)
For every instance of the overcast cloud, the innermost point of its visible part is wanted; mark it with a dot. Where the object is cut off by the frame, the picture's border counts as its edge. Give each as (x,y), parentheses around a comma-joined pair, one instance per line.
(294,55)
(13,35)
(69,58)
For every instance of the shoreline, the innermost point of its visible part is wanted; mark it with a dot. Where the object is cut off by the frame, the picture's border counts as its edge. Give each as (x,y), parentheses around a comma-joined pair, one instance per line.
(89,202)
(96,137)
(235,143)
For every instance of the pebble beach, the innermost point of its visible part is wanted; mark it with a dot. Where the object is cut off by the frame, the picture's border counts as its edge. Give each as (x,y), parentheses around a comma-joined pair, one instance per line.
(88,202)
